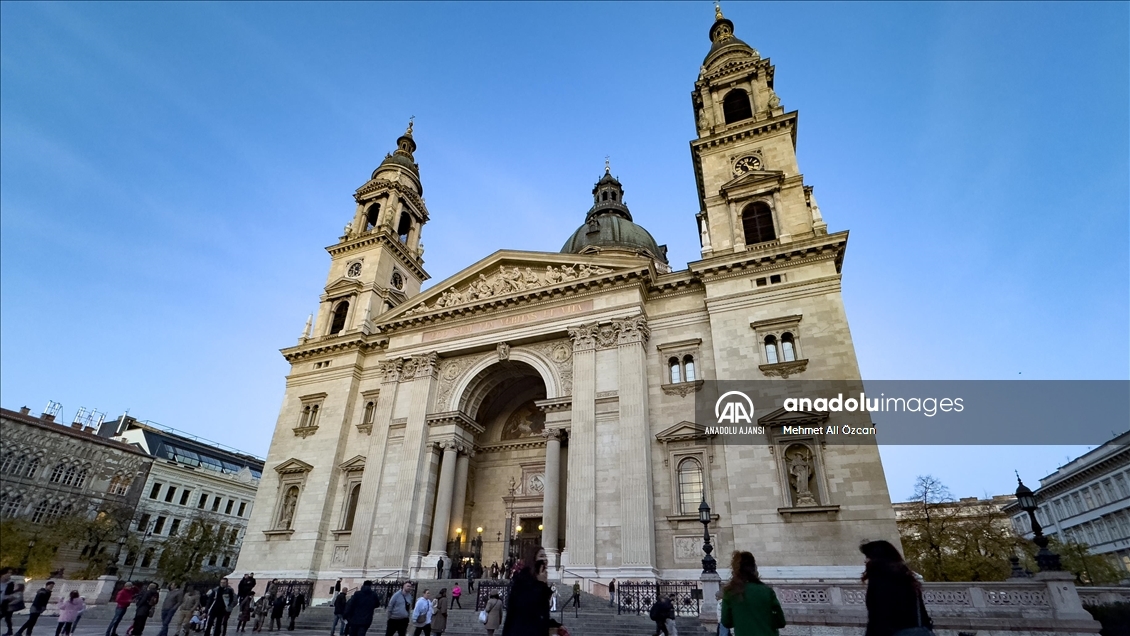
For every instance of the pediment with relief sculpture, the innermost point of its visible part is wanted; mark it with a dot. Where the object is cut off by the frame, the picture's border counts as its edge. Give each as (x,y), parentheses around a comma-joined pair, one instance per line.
(510,276)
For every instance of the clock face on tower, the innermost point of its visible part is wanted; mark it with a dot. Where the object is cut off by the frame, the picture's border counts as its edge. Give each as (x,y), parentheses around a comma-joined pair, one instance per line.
(745,164)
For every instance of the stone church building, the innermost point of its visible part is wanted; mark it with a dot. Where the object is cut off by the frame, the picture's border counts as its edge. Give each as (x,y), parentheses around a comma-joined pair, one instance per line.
(549,396)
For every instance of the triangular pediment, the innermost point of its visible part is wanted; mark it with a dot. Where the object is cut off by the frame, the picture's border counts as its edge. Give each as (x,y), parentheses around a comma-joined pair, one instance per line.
(351,465)
(343,286)
(509,276)
(753,179)
(781,417)
(293,465)
(683,431)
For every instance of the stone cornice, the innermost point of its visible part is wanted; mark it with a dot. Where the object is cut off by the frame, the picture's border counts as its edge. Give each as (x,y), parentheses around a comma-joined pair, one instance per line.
(774,253)
(384,184)
(522,444)
(455,417)
(755,128)
(382,235)
(337,343)
(783,369)
(757,64)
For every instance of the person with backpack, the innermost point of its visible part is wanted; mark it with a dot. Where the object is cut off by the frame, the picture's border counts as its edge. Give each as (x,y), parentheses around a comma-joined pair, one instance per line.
(750,607)
(399,611)
(661,610)
(38,604)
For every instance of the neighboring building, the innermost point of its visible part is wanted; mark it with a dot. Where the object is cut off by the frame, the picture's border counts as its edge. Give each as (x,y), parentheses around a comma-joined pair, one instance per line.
(191,478)
(549,396)
(1087,501)
(964,508)
(50,470)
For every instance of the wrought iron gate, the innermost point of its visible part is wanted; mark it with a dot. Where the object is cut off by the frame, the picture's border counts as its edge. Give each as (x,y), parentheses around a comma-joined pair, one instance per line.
(638,597)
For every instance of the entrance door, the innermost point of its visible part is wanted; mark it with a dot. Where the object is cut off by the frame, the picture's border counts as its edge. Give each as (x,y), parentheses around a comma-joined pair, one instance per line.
(530,534)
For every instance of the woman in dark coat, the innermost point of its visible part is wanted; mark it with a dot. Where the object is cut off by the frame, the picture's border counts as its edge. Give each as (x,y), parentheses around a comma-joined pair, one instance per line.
(894,595)
(527,608)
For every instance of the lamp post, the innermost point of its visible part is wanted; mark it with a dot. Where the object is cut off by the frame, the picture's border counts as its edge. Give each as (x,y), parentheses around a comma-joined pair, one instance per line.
(709,565)
(27,555)
(1046,560)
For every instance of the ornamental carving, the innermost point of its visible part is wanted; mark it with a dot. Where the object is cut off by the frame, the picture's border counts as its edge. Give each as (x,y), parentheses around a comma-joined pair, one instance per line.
(561,354)
(425,364)
(595,335)
(508,280)
(391,370)
(449,373)
(384,184)
(783,369)
(305,431)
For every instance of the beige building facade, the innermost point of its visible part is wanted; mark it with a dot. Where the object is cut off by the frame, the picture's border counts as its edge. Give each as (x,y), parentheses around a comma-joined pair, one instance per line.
(555,392)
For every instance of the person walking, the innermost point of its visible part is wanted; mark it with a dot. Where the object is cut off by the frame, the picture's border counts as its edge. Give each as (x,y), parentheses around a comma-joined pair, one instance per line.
(220,603)
(527,608)
(169,607)
(123,600)
(189,603)
(494,613)
(262,608)
(399,611)
(7,593)
(339,611)
(243,606)
(439,613)
(576,594)
(456,592)
(611,592)
(146,607)
(894,595)
(661,610)
(38,605)
(750,607)
(553,598)
(422,614)
(358,611)
(297,604)
(278,606)
(69,609)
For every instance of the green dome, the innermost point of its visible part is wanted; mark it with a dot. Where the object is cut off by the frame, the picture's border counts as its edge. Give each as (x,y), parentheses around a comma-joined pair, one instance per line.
(608,225)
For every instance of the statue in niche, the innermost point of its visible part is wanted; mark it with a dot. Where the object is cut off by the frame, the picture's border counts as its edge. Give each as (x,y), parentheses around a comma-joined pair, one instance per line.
(526,421)
(801,469)
(286,513)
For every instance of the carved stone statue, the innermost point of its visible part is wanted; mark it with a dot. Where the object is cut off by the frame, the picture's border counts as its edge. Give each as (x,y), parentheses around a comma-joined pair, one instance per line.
(774,101)
(286,513)
(503,351)
(348,231)
(705,234)
(513,486)
(800,466)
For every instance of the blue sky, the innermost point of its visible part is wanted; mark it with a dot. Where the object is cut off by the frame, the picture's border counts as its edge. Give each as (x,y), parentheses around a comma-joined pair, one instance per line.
(170,174)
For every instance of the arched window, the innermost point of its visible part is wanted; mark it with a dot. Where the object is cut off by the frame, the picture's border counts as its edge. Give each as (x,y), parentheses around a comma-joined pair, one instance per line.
(8,462)
(736,106)
(369,408)
(40,512)
(688,368)
(788,350)
(404,227)
(147,558)
(604,196)
(32,468)
(12,506)
(373,216)
(304,420)
(757,223)
(351,507)
(340,312)
(676,373)
(70,475)
(613,196)
(690,486)
(81,478)
(770,350)
(57,473)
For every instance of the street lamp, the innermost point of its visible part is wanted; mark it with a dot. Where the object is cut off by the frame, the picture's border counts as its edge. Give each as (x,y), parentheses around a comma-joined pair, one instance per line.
(709,565)
(1046,560)
(27,555)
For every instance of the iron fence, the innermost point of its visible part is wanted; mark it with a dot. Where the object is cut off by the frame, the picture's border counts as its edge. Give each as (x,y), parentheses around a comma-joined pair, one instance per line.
(637,597)
(488,587)
(291,588)
(385,588)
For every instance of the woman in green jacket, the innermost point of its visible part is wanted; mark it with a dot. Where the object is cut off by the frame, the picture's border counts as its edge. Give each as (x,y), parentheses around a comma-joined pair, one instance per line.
(749,607)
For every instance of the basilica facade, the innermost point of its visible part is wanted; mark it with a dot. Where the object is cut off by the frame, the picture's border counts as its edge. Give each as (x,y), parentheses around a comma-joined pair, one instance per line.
(549,397)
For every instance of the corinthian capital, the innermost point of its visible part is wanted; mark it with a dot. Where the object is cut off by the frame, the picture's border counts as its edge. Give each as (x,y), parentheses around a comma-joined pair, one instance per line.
(584,336)
(632,330)
(426,364)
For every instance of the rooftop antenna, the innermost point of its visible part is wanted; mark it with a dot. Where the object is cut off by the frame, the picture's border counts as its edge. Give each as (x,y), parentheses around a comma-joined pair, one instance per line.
(79,415)
(52,408)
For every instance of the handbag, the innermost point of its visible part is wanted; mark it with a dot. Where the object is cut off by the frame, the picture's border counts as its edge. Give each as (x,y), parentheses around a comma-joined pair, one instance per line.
(918,630)
(483,617)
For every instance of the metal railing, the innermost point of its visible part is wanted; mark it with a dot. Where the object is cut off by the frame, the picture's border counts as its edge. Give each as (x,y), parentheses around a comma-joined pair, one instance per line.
(637,597)
(385,588)
(486,587)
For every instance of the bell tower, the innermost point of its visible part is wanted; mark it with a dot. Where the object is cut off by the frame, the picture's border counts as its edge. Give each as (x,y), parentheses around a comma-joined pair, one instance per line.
(751,192)
(378,262)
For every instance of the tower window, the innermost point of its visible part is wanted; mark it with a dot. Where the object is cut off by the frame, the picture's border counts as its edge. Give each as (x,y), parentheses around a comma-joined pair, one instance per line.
(770,350)
(757,223)
(340,312)
(613,196)
(603,196)
(736,106)
(404,227)
(373,216)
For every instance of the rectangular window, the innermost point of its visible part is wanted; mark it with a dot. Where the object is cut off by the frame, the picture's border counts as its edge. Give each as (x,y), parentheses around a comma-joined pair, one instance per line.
(155,491)
(242,508)
(172,491)
(1099,496)
(775,278)
(159,526)
(143,523)
(761,282)
(216,504)
(1108,490)
(1088,499)
(203,501)
(174,527)
(227,508)
(212,560)
(234,536)
(1120,482)
(227,562)
(184,497)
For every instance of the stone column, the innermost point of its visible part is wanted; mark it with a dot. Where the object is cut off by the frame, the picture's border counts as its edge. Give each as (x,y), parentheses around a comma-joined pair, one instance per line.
(551,498)
(361,538)
(580,521)
(442,517)
(637,529)
(459,498)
